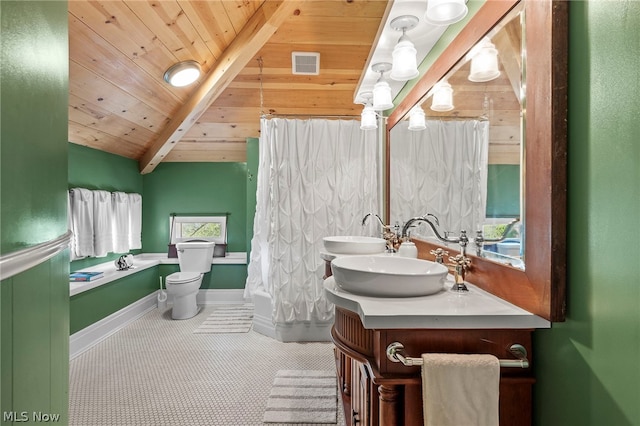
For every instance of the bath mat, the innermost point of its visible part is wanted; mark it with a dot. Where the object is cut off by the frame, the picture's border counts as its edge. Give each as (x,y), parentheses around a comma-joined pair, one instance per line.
(228,319)
(303,396)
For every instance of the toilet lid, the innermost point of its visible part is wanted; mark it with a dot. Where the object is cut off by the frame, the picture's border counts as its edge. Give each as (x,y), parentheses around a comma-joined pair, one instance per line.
(182,277)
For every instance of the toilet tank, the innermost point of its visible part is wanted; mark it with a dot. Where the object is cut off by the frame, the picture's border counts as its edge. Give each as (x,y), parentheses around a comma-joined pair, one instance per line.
(195,256)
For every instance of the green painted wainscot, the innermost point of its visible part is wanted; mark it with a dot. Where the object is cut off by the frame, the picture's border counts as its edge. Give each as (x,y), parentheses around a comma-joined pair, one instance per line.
(34,262)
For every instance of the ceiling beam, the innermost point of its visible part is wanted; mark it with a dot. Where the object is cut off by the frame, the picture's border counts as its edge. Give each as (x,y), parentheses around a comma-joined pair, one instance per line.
(258,30)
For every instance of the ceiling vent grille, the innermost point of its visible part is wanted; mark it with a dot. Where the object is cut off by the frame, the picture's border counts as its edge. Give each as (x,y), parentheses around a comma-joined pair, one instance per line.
(305,63)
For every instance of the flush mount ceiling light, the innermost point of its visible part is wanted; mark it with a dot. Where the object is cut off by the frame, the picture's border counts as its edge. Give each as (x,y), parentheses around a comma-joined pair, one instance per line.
(442,97)
(445,12)
(381,90)
(405,65)
(416,119)
(484,62)
(182,74)
(368,118)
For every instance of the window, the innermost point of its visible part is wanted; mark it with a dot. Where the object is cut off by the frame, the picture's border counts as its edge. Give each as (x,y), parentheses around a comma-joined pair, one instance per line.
(204,228)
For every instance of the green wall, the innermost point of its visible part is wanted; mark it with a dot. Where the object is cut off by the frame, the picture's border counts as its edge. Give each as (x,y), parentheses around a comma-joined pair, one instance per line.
(34,305)
(197,188)
(194,188)
(91,306)
(93,169)
(253,161)
(587,368)
(503,190)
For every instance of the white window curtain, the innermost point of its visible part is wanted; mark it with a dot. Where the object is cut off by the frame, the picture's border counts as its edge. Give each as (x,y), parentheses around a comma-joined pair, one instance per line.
(103,222)
(441,170)
(315,178)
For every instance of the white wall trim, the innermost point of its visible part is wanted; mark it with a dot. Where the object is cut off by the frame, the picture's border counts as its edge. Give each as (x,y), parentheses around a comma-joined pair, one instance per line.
(86,338)
(19,261)
(220,296)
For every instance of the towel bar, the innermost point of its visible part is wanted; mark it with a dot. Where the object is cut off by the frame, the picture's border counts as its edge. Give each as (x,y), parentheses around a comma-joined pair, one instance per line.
(519,351)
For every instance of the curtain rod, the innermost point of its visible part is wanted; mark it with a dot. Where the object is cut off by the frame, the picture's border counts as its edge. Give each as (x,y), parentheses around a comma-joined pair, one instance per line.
(310,116)
(460,117)
(200,214)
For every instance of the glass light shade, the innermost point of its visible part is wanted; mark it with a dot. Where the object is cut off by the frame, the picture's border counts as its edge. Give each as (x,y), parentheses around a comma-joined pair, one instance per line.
(405,66)
(182,73)
(484,63)
(382,96)
(445,12)
(442,97)
(368,119)
(416,119)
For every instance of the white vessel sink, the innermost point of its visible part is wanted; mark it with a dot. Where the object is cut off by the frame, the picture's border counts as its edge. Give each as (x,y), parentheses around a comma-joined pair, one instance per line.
(354,245)
(388,276)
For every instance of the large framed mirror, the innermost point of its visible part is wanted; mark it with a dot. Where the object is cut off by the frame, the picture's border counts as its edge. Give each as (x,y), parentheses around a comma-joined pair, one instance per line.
(515,126)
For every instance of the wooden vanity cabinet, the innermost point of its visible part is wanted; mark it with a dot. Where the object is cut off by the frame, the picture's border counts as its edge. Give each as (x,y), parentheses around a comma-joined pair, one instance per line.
(378,392)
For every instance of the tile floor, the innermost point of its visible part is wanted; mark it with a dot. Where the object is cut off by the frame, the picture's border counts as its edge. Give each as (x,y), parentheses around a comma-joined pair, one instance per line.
(156,371)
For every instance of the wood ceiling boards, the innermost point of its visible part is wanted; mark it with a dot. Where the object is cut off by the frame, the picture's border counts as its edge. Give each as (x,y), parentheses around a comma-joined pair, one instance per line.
(119,51)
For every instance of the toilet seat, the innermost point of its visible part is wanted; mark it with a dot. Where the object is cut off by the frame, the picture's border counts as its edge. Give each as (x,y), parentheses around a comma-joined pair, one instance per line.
(183,277)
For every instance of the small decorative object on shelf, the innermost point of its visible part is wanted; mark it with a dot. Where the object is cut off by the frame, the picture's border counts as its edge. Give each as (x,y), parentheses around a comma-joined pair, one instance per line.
(81,276)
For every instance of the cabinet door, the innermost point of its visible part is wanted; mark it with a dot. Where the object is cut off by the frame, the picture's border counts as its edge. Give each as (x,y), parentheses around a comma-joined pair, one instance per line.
(360,395)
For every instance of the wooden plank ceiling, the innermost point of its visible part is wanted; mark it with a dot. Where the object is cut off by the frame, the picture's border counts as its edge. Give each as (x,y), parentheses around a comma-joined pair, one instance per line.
(119,51)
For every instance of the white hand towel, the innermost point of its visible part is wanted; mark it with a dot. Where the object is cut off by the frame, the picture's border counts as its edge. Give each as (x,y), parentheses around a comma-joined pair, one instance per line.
(82,221)
(120,206)
(102,223)
(460,389)
(135,221)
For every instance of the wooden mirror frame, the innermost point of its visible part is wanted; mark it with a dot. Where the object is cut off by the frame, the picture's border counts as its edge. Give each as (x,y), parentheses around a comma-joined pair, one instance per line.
(541,287)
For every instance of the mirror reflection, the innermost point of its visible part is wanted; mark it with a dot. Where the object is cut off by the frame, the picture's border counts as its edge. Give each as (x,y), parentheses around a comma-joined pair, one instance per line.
(457,155)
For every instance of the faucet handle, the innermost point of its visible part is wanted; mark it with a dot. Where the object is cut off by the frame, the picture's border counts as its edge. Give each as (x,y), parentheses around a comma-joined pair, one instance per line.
(439,254)
(461,264)
(461,260)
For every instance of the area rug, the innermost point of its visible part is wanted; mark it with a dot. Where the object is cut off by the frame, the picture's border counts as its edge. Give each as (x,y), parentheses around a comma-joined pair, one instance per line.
(303,396)
(228,319)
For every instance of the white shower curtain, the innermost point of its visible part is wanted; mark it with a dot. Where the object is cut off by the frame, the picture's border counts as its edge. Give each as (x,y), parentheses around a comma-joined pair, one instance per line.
(441,170)
(315,178)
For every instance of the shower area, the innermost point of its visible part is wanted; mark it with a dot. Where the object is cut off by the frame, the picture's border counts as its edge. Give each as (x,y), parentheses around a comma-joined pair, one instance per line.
(316,178)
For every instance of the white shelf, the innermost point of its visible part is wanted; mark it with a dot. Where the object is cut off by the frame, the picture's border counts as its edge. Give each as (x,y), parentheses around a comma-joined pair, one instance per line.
(140,263)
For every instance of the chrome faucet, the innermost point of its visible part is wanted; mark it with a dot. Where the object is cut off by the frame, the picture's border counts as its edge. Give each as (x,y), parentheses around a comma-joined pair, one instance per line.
(390,236)
(364,219)
(425,218)
(463,240)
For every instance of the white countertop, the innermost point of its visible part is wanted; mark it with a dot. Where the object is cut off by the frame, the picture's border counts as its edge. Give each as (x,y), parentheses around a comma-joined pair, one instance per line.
(140,263)
(476,309)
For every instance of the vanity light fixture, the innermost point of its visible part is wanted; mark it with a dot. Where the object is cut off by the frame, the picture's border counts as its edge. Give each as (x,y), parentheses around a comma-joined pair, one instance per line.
(368,116)
(405,66)
(182,74)
(484,62)
(445,12)
(417,119)
(442,97)
(381,90)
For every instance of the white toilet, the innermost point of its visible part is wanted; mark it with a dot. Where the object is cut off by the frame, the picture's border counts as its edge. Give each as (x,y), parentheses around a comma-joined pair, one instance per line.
(195,260)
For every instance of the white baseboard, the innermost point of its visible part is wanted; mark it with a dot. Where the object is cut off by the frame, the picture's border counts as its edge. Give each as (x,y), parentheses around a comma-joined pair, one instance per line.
(220,296)
(263,325)
(86,338)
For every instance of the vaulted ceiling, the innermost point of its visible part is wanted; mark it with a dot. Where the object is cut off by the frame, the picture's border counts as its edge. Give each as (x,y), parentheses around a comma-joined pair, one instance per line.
(119,51)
